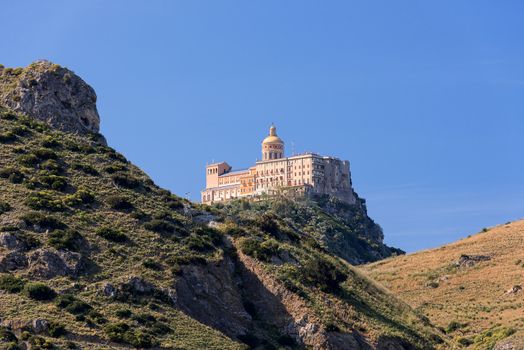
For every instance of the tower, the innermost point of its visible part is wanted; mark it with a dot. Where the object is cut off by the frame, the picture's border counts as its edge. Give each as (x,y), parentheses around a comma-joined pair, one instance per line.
(272,146)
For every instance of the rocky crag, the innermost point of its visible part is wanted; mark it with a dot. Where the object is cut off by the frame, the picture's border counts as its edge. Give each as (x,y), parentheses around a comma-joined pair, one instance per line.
(94,255)
(50,93)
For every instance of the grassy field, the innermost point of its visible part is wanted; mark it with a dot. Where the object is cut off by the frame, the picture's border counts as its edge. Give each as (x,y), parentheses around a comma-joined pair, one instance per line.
(476,300)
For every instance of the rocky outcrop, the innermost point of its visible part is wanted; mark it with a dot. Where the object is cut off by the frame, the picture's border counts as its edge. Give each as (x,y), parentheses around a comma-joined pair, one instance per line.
(50,93)
(471,260)
(49,263)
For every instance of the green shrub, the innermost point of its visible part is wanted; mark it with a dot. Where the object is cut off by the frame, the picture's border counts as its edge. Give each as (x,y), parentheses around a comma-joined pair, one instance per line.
(198,243)
(123,313)
(117,331)
(56,330)
(160,226)
(44,154)
(66,239)
(44,200)
(6,336)
(321,273)
(7,137)
(42,221)
(39,291)
(125,180)
(52,166)
(11,283)
(13,175)
(118,202)
(151,264)
(73,305)
(40,343)
(159,328)
(262,251)
(123,333)
(144,319)
(80,197)
(4,207)
(85,168)
(114,168)
(51,142)
(29,160)
(21,130)
(453,326)
(53,182)
(111,234)
(267,224)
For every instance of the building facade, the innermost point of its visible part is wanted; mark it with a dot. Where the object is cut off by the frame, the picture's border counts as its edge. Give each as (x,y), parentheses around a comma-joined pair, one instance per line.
(275,174)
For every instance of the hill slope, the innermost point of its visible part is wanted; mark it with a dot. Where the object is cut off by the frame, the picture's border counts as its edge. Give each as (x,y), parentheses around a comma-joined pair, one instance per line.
(472,288)
(94,255)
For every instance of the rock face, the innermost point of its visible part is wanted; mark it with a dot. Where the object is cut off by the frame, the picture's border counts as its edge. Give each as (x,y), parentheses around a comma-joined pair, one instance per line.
(52,94)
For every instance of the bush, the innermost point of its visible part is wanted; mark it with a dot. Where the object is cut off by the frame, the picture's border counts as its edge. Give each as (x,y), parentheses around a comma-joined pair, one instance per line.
(80,197)
(118,202)
(44,154)
(112,234)
(114,168)
(39,291)
(198,243)
(56,330)
(321,273)
(123,313)
(262,251)
(125,180)
(151,264)
(7,336)
(66,239)
(7,137)
(86,168)
(44,222)
(117,331)
(4,207)
(52,166)
(44,200)
(267,224)
(13,175)
(123,333)
(54,182)
(159,328)
(73,305)
(11,283)
(51,142)
(160,226)
(29,160)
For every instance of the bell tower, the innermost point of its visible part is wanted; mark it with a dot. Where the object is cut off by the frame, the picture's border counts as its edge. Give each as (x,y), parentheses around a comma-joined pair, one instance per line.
(272,146)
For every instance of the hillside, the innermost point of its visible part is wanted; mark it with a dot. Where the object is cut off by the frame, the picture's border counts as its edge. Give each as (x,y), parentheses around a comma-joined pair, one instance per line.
(94,255)
(471,288)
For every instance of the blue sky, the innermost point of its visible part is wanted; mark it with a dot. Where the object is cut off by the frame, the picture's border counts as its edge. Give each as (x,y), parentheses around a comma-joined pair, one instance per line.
(425,98)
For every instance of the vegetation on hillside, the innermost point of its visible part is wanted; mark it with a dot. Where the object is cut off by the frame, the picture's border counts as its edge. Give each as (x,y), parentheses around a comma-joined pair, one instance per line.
(92,251)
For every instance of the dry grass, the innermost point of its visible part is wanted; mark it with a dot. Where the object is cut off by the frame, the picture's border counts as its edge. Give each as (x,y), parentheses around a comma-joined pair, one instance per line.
(476,296)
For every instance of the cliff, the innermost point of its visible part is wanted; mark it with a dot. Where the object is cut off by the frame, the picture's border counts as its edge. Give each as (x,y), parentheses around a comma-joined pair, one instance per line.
(50,93)
(94,255)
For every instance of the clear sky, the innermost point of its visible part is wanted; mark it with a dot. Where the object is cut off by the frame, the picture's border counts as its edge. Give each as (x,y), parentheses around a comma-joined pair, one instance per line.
(425,98)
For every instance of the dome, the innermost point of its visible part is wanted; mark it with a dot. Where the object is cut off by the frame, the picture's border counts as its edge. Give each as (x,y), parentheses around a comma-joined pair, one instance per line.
(272,138)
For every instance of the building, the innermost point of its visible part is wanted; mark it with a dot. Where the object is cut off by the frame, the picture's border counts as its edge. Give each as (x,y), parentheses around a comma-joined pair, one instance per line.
(275,174)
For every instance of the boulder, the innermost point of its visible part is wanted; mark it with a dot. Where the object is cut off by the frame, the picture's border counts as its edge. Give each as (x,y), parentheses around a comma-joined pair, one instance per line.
(109,290)
(471,260)
(40,325)
(12,241)
(49,263)
(12,261)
